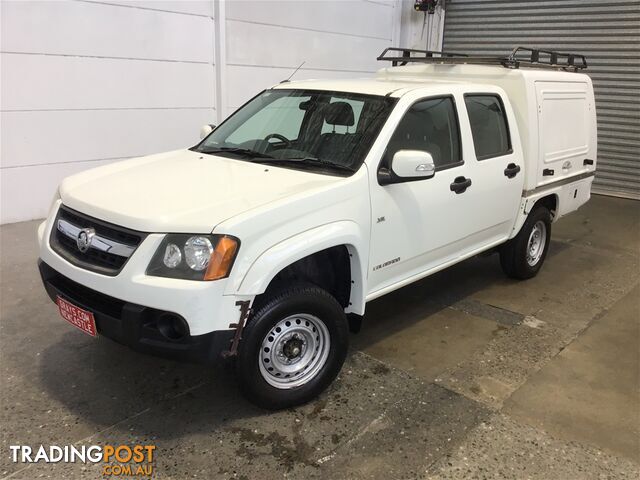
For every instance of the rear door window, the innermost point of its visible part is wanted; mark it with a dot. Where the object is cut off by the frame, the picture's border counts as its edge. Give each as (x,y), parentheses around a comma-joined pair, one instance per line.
(488,125)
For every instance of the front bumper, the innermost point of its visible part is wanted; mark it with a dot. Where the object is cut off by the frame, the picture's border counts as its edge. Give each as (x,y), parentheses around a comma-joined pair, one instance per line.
(203,305)
(134,325)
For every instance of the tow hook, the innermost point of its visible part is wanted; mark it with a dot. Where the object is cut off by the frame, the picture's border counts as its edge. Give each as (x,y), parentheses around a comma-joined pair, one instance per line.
(244,314)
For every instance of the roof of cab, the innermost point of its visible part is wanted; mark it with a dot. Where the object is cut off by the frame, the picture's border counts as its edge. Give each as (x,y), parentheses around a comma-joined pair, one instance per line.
(367,85)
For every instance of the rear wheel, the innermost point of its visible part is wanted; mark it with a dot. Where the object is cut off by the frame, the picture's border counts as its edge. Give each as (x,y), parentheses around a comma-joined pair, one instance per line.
(292,348)
(523,256)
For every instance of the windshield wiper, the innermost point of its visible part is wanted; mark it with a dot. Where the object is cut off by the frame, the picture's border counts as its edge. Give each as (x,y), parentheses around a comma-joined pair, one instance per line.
(241,151)
(313,160)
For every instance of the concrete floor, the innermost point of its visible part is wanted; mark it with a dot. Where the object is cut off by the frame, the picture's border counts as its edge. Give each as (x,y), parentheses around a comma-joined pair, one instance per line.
(463,375)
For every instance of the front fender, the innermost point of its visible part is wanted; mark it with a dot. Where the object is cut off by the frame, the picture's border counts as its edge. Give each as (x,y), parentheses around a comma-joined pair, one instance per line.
(260,273)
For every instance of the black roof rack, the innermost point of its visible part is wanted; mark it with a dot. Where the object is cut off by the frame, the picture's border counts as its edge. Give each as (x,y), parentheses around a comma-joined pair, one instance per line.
(534,58)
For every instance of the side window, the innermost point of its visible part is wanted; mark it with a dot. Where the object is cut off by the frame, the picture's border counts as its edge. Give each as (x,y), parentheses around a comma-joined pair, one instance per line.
(430,125)
(488,126)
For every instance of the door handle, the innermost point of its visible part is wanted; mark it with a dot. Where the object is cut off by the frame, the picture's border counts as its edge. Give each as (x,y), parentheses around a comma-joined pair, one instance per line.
(460,184)
(511,170)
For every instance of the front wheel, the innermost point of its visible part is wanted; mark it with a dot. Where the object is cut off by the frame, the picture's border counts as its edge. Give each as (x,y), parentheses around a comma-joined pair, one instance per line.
(523,256)
(292,348)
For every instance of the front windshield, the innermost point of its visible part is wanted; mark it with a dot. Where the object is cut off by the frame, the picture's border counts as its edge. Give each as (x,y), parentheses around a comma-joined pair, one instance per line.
(304,129)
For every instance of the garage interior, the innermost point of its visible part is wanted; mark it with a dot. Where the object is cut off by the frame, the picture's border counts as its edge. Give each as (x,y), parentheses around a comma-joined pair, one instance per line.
(465,374)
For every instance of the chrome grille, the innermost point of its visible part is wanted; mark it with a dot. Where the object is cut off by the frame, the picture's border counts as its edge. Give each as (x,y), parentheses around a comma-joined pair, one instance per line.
(91,243)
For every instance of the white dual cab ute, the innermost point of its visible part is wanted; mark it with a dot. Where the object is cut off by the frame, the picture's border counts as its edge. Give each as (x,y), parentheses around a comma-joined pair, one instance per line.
(264,242)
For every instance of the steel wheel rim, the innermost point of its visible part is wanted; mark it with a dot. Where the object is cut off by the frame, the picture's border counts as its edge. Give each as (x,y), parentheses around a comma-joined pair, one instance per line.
(294,351)
(537,242)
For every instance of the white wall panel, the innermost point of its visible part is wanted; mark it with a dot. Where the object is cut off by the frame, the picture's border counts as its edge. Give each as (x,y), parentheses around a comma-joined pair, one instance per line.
(351,17)
(267,45)
(81,28)
(84,83)
(50,82)
(26,192)
(63,136)
(189,7)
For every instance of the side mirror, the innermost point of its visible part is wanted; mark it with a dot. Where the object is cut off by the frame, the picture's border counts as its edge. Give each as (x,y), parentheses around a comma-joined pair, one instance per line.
(206,130)
(408,166)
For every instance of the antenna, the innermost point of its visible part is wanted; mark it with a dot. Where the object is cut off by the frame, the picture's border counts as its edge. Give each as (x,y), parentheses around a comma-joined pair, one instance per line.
(294,72)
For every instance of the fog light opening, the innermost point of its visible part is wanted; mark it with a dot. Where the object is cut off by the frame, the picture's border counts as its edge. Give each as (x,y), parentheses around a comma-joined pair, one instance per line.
(172,326)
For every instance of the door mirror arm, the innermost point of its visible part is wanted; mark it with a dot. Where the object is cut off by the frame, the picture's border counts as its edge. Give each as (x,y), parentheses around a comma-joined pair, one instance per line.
(386,177)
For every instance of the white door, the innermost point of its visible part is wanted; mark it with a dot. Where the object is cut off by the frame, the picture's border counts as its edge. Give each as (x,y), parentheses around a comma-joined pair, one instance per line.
(499,167)
(562,150)
(468,205)
(419,224)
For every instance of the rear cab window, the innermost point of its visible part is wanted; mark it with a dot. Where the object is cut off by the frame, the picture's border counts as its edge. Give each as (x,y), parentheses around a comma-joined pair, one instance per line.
(489,126)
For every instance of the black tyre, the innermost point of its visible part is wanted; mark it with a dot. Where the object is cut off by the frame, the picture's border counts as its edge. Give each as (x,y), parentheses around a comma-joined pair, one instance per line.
(523,256)
(292,348)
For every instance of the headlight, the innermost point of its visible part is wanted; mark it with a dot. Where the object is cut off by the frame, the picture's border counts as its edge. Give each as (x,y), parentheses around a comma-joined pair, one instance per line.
(194,257)
(172,256)
(197,252)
